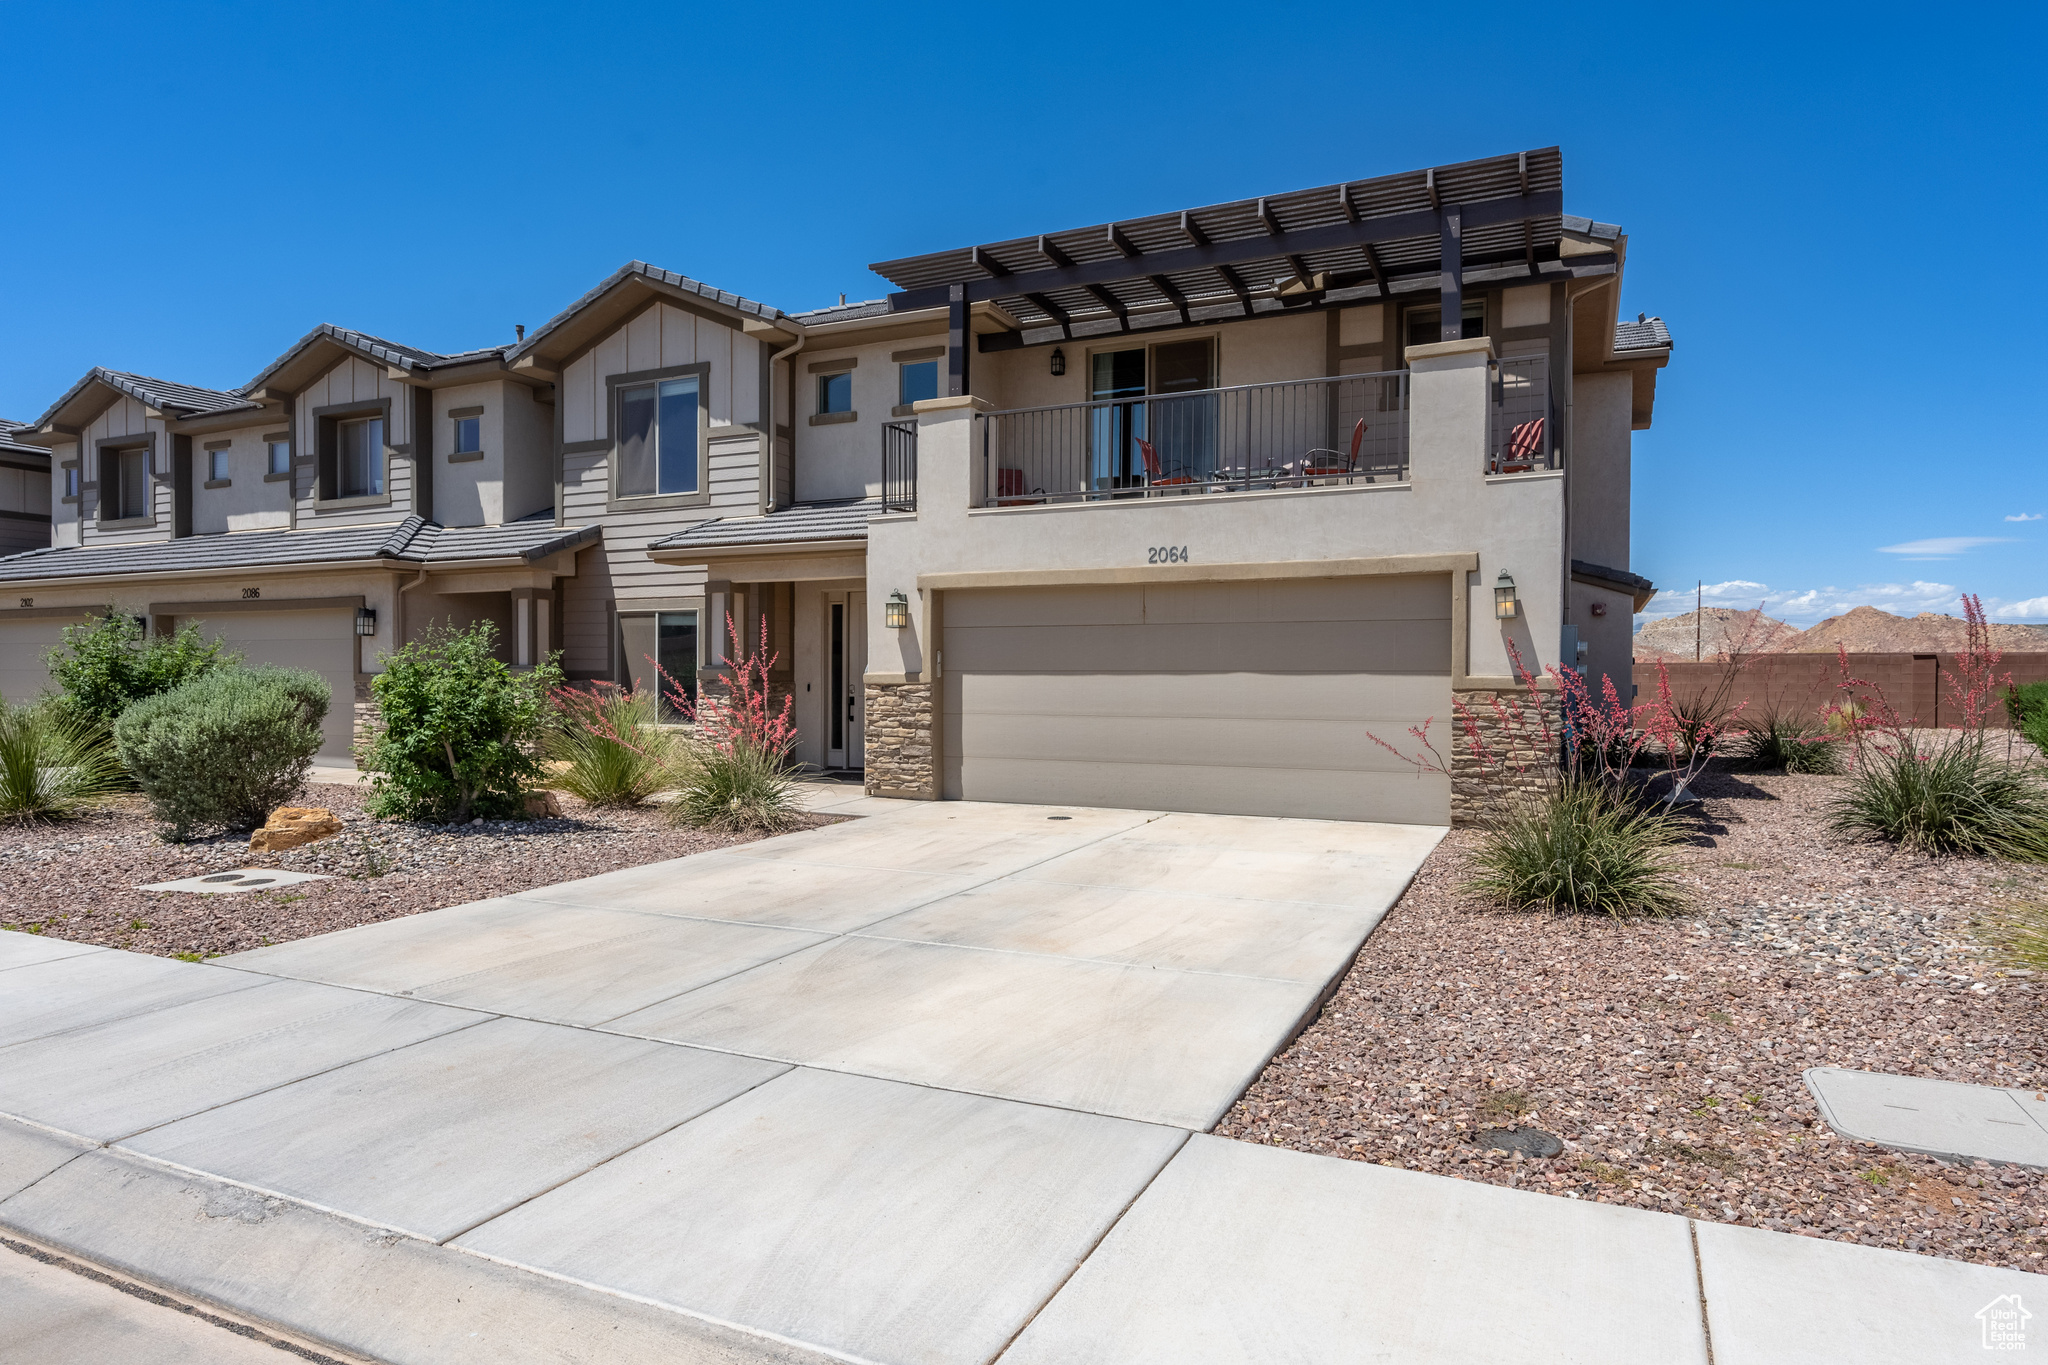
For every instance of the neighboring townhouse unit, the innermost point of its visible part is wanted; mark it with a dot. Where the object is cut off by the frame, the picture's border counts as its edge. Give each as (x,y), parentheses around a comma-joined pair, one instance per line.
(1184,511)
(24,492)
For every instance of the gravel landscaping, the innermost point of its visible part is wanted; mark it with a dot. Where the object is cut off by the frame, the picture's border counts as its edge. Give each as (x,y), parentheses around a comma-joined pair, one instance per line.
(1667,1054)
(78,879)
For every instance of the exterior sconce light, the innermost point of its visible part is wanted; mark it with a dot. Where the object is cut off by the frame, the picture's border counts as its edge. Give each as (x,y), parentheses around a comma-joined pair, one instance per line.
(896,612)
(1059,361)
(1504,597)
(366,620)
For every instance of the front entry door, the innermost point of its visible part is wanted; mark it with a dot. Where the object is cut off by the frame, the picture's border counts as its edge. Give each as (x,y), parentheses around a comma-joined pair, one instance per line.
(847,666)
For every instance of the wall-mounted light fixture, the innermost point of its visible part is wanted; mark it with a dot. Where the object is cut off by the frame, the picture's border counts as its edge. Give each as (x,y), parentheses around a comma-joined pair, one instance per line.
(1599,608)
(1059,361)
(1504,597)
(366,620)
(896,611)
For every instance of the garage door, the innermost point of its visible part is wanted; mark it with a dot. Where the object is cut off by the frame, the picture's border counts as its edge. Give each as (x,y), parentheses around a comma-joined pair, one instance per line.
(23,674)
(1238,698)
(323,641)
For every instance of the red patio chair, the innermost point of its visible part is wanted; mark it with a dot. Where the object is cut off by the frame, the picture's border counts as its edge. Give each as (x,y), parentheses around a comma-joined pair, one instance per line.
(1525,448)
(1155,474)
(1010,489)
(1323,463)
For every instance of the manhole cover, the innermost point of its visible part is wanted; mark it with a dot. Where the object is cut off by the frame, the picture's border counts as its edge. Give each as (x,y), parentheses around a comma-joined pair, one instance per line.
(224,877)
(1527,1141)
(259,881)
(230,883)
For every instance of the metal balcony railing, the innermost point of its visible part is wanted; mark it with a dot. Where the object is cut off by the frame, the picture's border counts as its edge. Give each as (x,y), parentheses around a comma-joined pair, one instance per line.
(899,466)
(1346,429)
(1521,437)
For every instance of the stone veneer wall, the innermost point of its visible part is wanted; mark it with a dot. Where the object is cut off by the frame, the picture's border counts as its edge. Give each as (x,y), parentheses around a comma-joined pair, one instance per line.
(898,737)
(1478,787)
(365,720)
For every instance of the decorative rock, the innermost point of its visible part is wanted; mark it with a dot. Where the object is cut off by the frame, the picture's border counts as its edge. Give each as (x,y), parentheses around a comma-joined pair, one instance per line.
(292,826)
(1527,1141)
(543,804)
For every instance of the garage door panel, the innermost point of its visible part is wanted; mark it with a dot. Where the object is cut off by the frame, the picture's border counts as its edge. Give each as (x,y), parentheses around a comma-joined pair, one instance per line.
(23,674)
(1420,597)
(322,642)
(1375,698)
(1360,795)
(1190,647)
(1234,698)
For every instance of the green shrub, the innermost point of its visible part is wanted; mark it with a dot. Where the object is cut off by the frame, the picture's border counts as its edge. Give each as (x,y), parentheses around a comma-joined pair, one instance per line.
(107,664)
(53,764)
(1954,798)
(1581,846)
(460,731)
(1779,741)
(613,752)
(226,748)
(734,787)
(2026,702)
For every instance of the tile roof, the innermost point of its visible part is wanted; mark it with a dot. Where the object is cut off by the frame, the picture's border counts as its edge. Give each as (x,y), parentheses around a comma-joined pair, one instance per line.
(13,447)
(660,276)
(411,540)
(818,521)
(1644,334)
(843,312)
(375,348)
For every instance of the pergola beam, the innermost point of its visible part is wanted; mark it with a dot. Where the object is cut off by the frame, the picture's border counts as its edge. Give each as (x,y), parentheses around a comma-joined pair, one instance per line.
(1064,273)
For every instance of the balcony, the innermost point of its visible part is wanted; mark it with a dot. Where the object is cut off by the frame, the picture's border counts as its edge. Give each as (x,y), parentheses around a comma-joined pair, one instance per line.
(1254,438)
(1347,429)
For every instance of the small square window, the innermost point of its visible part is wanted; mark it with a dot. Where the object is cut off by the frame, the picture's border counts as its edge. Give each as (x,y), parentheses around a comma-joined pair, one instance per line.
(917,382)
(280,457)
(71,483)
(835,393)
(469,435)
(216,464)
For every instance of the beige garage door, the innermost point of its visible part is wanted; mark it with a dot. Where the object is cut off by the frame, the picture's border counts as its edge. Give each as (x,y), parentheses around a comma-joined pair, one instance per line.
(323,641)
(23,674)
(1237,698)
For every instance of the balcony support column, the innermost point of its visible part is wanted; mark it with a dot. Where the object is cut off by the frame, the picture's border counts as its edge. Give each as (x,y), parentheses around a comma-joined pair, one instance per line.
(1451,280)
(959,341)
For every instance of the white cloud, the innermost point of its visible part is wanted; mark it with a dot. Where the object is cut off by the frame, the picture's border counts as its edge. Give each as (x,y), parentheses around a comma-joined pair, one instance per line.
(2026,516)
(1807,605)
(1940,547)
(2033,608)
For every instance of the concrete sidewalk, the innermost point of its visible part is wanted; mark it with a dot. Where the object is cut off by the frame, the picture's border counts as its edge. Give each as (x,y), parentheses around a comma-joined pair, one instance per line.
(931,1086)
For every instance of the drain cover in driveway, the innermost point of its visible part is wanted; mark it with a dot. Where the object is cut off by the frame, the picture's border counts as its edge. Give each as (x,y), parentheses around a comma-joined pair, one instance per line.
(1939,1118)
(1527,1141)
(241,879)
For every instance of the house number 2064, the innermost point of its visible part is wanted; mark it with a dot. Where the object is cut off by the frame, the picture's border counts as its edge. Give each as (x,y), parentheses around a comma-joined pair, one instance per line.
(1167,554)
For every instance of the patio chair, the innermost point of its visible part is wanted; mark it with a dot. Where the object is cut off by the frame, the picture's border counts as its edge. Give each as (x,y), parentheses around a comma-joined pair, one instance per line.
(1321,463)
(1155,474)
(1010,489)
(1525,448)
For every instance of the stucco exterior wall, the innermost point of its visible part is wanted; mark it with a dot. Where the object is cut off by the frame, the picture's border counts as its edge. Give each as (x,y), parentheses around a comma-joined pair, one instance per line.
(844,459)
(515,476)
(248,503)
(1600,479)
(66,517)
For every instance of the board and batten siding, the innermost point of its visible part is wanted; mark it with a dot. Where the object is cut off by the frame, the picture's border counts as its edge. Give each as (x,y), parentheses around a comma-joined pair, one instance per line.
(352,381)
(655,339)
(126,417)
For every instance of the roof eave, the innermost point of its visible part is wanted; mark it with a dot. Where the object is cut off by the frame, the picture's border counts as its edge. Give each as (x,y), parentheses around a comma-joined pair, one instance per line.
(704,554)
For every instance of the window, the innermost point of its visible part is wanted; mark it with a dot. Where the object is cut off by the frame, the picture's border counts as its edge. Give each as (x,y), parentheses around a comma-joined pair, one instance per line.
(835,393)
(917,381)
(216,465)
(676,648)
(71,482)
(280,457)
(124,484)
(469,435)
(359,463)
(1425,325)
(660,436)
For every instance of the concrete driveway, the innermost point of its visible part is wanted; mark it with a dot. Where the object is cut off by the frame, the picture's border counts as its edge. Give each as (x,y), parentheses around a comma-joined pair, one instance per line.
(930,1086)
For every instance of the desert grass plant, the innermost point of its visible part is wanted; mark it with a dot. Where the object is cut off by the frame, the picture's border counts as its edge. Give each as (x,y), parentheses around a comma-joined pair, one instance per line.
(737,775)
(610,750)
(1778,740)
(2018,934)
(460,731)
(1948,792)
(53,764)
(1582,846)
(226,748)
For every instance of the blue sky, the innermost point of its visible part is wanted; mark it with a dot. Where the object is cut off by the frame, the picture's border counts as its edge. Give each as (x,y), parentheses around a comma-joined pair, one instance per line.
(1820,201)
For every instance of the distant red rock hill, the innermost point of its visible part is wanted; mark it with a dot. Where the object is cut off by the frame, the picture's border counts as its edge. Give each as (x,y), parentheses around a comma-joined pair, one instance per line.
(1863,630)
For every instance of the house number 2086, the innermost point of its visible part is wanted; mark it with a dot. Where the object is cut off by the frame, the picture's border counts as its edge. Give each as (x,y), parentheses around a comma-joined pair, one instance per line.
(1167,554)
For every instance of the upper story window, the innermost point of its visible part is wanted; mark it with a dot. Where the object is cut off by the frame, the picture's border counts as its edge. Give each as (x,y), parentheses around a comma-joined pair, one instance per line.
(660,437)
(835,393)
(1424,326)
(216,464)
(71,482)
(359,458)
(124,484)
(280,457)
(469,435)
(917,381)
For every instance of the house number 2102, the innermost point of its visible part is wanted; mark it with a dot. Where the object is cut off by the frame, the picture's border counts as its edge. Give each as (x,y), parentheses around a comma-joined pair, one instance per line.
(1167,554)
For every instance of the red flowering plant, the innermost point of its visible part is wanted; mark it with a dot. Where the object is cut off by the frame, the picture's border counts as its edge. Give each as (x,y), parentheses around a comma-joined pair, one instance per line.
(605,746)
(745,714)
(738,775)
